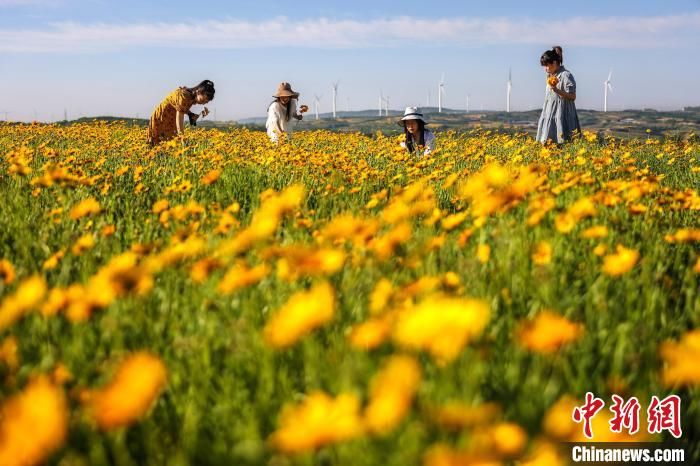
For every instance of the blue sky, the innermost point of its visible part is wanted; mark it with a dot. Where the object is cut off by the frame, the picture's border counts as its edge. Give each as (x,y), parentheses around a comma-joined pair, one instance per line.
(94,57)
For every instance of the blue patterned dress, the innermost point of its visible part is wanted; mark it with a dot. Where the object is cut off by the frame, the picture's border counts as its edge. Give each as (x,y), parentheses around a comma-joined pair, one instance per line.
(559,119)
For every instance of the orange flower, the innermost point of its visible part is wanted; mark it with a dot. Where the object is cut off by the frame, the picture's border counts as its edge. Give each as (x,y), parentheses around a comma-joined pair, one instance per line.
(621,262)
(441,325)
(542,254)
(89,206)
(241,276)
(34,424)
(7,272)
(131,392)
(552,81)
(681,360)
(483,253)
(548,332)
(211,177)
(317,421)
(391,393)
(371,333)
(303,312)
(28,296)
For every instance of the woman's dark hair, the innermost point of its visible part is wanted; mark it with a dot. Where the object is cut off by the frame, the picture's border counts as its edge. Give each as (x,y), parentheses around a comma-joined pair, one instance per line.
(551,56)
(409,139)
(206,88)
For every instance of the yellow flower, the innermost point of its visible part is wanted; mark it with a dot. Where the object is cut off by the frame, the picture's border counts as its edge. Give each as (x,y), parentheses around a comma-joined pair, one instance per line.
(456,415)
(385,245)
(84,243)
(391,393)
(544,454)
(600,249)
(7,272)
(300,261)
(564,222)
(509,439)
(211,177)
(132,391)
(201,270)
(621,262)
(34,424)
(452,221)
(8,353)
(681,360)
(160,206)
(542,254)
(318,421)
(302,313)
(582,208)
(598,231)
(441,325)
(444,455)
(483,253)
(28,296)
(89,206)
(552,81)
(52,262)
(371,333)
(451,280)
(557,422)
(240,276)
(379,298)
(548,332)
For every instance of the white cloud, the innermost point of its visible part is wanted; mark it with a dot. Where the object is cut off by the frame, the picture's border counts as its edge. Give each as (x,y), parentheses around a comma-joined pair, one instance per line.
(323,33)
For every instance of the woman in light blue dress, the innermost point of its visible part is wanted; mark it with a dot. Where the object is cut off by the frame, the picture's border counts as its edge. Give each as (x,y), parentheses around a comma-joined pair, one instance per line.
(559,121)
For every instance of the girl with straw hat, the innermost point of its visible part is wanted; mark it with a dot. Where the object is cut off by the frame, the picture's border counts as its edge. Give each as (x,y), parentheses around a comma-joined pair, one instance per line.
(419,140)
(281,111)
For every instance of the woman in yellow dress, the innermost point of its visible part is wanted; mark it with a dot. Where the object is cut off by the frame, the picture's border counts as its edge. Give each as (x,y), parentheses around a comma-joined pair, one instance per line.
(168,119)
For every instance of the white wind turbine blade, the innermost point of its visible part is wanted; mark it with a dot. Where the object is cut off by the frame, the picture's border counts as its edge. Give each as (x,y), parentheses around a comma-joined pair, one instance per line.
(609,76)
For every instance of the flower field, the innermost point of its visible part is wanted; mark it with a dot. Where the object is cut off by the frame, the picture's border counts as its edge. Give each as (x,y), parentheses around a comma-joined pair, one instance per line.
(335,301)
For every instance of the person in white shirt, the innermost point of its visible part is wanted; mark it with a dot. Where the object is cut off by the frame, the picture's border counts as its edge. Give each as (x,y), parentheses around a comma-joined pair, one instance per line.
(419,140)
(281,111)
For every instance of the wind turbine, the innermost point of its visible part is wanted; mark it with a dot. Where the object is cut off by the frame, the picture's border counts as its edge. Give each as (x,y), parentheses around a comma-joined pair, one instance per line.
(317,101)
(468,95)
(335,94)
(381,101)
(347,104)
(441,92)
(6,113)
(509,87)
(386,106)
(607,87)
(427,102)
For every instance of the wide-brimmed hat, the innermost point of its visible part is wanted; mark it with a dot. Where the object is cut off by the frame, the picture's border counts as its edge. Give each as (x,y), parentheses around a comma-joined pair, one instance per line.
(285,90)
(411,113)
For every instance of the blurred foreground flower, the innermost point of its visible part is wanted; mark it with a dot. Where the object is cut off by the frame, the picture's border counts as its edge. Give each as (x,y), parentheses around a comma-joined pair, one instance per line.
(548,332)
(319,420)
(391,393)
(127,397)
(303,312)
(29,295)
(621,262)
(441,326)
(681,360)
(34,424)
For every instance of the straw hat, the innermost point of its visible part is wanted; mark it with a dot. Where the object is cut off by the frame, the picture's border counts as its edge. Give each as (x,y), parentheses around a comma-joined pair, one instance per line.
(285,90)
(411,113)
